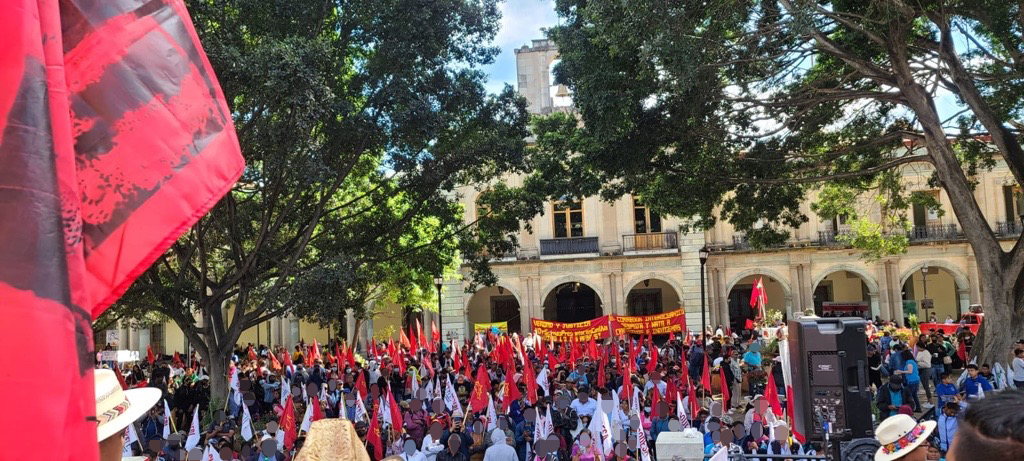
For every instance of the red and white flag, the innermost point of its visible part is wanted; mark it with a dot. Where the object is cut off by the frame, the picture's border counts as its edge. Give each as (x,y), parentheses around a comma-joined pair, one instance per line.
(167,420)
(758,297)
(194,431)
(641,444)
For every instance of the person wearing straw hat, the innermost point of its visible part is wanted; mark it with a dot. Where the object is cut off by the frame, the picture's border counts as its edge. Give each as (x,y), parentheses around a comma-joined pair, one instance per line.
(116,409)
(903,438)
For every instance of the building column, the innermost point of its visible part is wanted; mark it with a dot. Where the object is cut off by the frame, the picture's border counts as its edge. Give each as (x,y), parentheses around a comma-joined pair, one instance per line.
(875,307)
(964,296)
(974,279)
(796,288)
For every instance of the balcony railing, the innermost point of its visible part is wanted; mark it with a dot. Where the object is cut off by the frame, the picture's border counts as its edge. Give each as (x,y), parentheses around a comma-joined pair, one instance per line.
(647,242)
(1009,228)
(934,232)
(831,237)
(568,246)
(739,242)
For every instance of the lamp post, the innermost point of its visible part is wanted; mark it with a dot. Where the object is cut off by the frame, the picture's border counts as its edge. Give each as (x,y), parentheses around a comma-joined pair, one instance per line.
(703,254)
(439,282)
(925,302)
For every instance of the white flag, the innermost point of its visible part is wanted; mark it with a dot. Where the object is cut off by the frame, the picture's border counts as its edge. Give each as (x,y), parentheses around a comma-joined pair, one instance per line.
(360,407)
(601,429)
(246,423)
(286,391)
(542,380)
(492,416)
(451,400)
(684,421)
(307,419)
(210,455)
(167,420)
(236,386)
(641,444)
(721,455)
(305,396)
(194,431)
(429,387)
(548,427)
(437,389)
(385,411)
(130,436)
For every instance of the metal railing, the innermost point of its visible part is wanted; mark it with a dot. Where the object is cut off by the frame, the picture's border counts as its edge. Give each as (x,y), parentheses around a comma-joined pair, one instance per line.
(831,237)
(568,246)
(934,232)
(1009,228)
(656,241)
(740,242)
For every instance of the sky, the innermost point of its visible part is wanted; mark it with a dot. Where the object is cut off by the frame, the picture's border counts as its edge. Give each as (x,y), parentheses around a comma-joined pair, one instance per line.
(521,22)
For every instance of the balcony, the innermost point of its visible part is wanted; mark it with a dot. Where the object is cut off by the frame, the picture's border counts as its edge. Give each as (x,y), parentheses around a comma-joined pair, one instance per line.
(934,232)
(649,242)
(832,238)
(568,246)
(739,242)
(1009,228)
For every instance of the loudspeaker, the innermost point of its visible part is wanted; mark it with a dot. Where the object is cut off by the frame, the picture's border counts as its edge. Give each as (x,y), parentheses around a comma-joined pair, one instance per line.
(830,378)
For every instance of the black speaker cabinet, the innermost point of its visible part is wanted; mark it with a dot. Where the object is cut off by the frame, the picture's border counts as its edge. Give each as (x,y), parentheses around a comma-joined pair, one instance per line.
(830,377)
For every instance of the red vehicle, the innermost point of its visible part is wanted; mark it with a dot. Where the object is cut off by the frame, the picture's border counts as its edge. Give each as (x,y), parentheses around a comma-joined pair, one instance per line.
(972,321)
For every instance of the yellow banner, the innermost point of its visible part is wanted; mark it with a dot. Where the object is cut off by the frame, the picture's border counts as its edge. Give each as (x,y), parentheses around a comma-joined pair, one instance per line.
(486,327)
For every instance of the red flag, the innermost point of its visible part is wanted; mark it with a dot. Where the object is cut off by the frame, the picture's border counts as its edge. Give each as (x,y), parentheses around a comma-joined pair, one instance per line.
(655,398)
(652,364)
(102,111)
(396,412)
(481,387)
(725,387)
(530,379)
(149,355)
(961,351)
(318,412)
(120,377)
(572,354)
(287,359)
(691,395)
(434,332)
(252,354)
(340,354)
(315,353)
(671,390)
(511,390)
(413,342)
(404,340)
(430,366)
(287,424)
(399,360)
(274,364)
(600,371)
(373,435)
(789,414)
(705,377)
(177,359)
(391,347)
(361,384)
(758,297)
(419,334)
(771,393)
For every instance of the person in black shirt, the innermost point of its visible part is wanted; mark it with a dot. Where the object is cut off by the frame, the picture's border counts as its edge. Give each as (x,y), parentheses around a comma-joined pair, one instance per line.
(452,451)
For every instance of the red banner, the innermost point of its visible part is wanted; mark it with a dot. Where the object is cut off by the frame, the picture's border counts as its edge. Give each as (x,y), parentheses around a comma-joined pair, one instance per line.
(657,324)
(603,327)
(563,332)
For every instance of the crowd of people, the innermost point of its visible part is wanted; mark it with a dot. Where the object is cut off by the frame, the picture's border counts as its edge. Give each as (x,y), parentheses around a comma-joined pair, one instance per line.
(498,397)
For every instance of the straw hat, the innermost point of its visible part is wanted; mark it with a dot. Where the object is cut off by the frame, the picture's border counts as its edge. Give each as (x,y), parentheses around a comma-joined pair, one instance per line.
(899,435)
(332,439)
(116,408)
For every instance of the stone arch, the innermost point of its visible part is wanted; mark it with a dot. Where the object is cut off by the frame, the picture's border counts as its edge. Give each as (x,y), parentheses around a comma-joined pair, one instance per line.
(963,284)
(514,292)
(483,298)
(775,275)
(863,273)
(626,287)
(573,278)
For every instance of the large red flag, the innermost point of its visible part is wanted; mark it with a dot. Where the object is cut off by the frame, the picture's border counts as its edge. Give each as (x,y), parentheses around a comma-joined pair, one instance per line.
(771,393)
(149,355)
(481,387)
(287,424)
(655,398)
(725,387)
(373,436)
(511,390)
(396,412)
(600,371)
(691,395)
(789,414)
(652,363)
(274,364)
(114,140)
(705,376)
(434,332)
(318,413)
(361,384)
(530,379)
(404,339)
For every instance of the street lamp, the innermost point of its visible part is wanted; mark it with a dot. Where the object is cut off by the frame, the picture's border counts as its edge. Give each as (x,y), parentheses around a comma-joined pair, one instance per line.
(439,282)
(703,254)
(925,302)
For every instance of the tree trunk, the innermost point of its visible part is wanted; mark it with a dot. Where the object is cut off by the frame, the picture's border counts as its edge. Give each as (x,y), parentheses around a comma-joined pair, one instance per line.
(1003,323)
(355,333)
(218,368)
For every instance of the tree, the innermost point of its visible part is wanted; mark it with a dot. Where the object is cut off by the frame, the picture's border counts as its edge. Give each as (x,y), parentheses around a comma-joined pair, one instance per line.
(729,109)
(357,119)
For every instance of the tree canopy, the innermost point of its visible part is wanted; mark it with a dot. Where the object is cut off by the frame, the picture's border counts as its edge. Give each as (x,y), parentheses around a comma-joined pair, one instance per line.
(735,109)
(357,120)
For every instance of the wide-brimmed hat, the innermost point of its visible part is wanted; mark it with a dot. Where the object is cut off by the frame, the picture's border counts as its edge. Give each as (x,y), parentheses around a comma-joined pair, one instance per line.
(332,439)
(899,435)
(117,408)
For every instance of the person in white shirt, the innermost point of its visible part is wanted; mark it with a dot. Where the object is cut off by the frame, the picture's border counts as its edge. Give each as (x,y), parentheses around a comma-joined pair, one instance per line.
(1017,368)
(949,320)
(583,404)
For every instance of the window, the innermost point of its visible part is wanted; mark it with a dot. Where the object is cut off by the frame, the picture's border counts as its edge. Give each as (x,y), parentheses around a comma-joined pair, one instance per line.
(568,218)
(1014,202)
(926,215)
(156,338)
(644,220)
